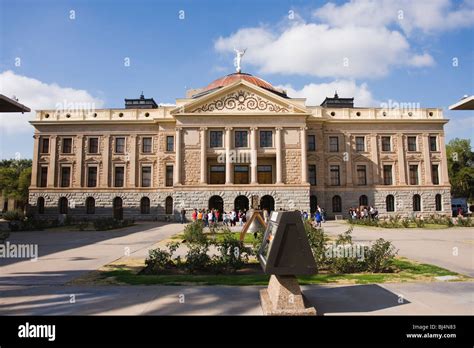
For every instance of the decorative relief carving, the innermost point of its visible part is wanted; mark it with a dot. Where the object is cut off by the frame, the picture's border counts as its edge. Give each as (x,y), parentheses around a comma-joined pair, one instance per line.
(241,101)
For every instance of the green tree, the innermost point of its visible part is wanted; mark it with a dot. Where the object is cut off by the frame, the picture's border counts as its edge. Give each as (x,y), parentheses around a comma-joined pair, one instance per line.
(15,178)
(461,167)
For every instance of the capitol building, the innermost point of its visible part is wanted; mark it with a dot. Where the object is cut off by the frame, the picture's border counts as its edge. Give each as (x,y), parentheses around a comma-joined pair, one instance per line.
(238,143)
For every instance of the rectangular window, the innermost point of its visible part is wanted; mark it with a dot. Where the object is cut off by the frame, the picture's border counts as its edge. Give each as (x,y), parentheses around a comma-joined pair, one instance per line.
(241,139)
(241,174)
(92,177)
(312,174)
(65,176)
(335,175)
(433,143)
(119,176)
(360,144)
(120,145)
(44,176)
(311,142)
(386,144)
(411,143)
(266,139)
(217,175)
(215,138)
(170,143)
(387,175)
(146,176)
(333,144)
(264,174)
(44,145)
(169,176)
(435,174)
(361,175)
(413,174)
(146,145)
(67,145)
(93,145)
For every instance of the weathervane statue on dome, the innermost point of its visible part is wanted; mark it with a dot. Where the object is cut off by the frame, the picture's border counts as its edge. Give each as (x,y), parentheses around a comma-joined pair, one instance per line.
(238,59)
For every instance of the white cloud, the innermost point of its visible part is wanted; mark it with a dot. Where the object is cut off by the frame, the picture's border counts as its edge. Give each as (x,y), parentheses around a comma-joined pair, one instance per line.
(316,93)
(38,95)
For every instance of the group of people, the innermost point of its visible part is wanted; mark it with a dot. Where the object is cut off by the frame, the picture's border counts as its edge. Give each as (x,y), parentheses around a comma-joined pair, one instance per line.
(363,212)
(211,217)
(317,218)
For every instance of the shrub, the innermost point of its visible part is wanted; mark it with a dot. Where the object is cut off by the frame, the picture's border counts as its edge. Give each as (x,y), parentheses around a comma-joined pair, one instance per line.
(258,240)
(419,222)
(317,239)
(233,254)
(14,215)
(193,233)
(197,258)
(465,222)
(348,262)
(379,257)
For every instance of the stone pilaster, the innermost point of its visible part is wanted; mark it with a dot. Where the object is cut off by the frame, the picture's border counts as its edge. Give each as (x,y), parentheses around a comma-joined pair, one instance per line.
(177,166)
(304,155)
(203,177)
(279,167)
(228,164)
(426,159)
(253,155)
(402,180)
(78,165)
(34,168)
(52,161)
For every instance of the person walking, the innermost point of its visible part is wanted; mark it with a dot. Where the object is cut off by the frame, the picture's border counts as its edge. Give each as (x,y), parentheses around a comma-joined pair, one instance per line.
(183,215)
(194,214)
(318,219)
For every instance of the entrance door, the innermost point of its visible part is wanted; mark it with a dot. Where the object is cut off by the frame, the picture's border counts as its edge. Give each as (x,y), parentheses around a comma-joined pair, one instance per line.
(241,203)
(268,203)
(118,209)
(216,202)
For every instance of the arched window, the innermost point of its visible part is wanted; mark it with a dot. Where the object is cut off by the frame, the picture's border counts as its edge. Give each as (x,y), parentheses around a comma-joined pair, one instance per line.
(63,205)
(169,205)
(363,200)
(40,205)
(390,203)
(145,205)
(313,203)
(90,205)
(416,203)
(336,204)
(438,202)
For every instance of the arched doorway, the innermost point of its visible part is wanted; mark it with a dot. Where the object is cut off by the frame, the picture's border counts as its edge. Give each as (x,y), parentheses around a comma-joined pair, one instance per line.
(268,203)
(169,205)
(63,205)
(216,202)
(363,201)
(313,204)
(118,208)
(241,203)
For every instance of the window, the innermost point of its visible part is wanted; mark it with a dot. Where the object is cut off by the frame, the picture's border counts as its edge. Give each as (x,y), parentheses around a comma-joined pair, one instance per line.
(363,201)
(241,174)
(266,139)
(311,142)
(411,143)
(386,144)
(44,145)
(334,175)
(91,176)
(416,203)
(120,145)
(360,144)
(435,174)
(146,145)
(170,143)
(93,145)
(44,176)
(63,205)
(387,175)
(65,176)
(390,203)
(119,176)
(312,174)
(217,174)
(241,139)
(362,175)
(169,176)
(438,203)
(40,205)
(336,204)
(146,176)
(67,145)
(433,143)
(333,144)
(215,138)
(413,174)
(145,205)
(90,205)
(264,174)
(169,205)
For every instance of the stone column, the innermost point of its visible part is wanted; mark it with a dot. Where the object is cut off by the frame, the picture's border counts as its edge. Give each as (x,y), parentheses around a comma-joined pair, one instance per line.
(52,161)
(278,155)
(105,182)
(177,167)
(427,159)
(34,168)
(203,155)
(228,164)
(132,157)
(401,160)
(253,155)
(347,158)
(304,155)
(375,159)
(444,179)
(78,165)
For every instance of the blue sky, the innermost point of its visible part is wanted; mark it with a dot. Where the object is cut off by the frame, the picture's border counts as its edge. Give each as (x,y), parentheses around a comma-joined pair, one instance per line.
(405,60)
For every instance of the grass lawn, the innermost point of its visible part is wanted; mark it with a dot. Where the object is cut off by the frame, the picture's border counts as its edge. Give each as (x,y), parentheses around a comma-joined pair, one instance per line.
(248,239)
(126,272)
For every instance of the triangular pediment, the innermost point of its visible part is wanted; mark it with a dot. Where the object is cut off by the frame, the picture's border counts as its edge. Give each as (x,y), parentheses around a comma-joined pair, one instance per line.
(241,97)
